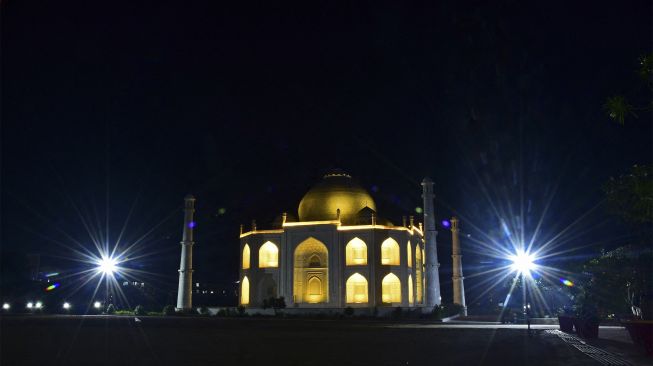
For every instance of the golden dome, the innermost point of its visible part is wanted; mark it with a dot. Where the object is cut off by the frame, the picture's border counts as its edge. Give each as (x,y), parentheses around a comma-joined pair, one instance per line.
(335,191)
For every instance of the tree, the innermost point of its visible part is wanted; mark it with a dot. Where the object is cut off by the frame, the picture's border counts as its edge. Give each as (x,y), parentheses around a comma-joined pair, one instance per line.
(620,281)
(630,196)
(618,107)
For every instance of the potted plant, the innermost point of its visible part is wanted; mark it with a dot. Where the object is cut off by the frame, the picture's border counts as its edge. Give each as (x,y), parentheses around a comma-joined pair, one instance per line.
(587,318)
(641,332)
(566,320)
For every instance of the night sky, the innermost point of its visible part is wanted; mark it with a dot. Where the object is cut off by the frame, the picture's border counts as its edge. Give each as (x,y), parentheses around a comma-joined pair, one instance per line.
(119,107)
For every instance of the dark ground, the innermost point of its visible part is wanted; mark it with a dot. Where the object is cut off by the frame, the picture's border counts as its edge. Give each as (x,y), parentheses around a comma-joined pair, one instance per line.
(73,340)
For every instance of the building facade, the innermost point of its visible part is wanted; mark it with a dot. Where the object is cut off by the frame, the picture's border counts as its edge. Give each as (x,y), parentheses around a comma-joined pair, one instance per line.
(338,253)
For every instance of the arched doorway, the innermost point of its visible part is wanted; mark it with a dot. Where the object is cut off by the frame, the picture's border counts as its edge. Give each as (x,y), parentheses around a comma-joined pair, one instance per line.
(311,272)
(267,288)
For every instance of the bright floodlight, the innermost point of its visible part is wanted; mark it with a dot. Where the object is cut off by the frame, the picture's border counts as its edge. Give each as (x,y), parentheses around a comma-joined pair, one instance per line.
(97,304)
(523,262)
(30,305)
(66,305)
(38,305)
(107,265)
(6,306)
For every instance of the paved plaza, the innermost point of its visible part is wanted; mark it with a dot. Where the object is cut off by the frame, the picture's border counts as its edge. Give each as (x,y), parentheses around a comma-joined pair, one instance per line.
(102,340)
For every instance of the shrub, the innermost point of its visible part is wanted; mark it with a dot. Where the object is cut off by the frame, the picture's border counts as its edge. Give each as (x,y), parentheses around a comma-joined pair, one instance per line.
(169,310)
(349,311)
(438,311)
(396,313)
(111,309)
(241,310)
(139,310)
(203,310)
(453,309)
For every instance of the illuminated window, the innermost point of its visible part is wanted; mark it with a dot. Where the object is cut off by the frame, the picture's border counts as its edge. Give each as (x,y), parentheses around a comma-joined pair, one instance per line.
(418,273)
(391,289)
(410,290)
(356,252)
(390,252)
(410,255)
(244,291)
(356,289)
(268,255)
(246,257)
(311,272)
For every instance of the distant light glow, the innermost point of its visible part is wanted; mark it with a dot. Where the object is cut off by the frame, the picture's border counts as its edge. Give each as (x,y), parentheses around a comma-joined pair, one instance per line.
(446,223)
(53,286)
(97,304)
(66,305)
(222,211)
(38,305)
(52,274)
(523,262)
(107,265)
(6,306)
(30,305)
(566,282)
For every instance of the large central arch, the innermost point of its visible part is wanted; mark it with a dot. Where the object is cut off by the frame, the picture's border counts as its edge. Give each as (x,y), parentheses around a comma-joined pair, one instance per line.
(311,272)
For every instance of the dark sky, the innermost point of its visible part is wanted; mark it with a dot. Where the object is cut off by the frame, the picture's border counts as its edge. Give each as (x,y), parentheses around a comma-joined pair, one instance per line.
(119,106)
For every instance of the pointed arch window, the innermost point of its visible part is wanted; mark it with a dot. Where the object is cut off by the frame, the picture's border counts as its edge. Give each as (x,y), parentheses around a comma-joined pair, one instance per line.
(246,255)
(411,300)
(356,252)
(356,289)
(244,291)
(390,252)
(419,282)
(409,252)
(391,289)
(268,255)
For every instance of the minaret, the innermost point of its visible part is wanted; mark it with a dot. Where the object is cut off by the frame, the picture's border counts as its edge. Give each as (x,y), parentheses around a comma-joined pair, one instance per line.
(458,286)
(185,292)
(430,234)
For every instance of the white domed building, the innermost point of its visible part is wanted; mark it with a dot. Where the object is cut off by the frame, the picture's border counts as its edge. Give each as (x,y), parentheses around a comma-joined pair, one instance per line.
(339,253)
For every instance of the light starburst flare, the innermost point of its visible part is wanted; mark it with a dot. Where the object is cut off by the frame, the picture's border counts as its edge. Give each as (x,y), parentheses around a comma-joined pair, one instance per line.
(107,265)
(523,262)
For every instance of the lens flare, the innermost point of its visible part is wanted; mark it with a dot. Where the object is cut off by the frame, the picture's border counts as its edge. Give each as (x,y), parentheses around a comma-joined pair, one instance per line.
(566,282)
(53,286)
(446,223)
